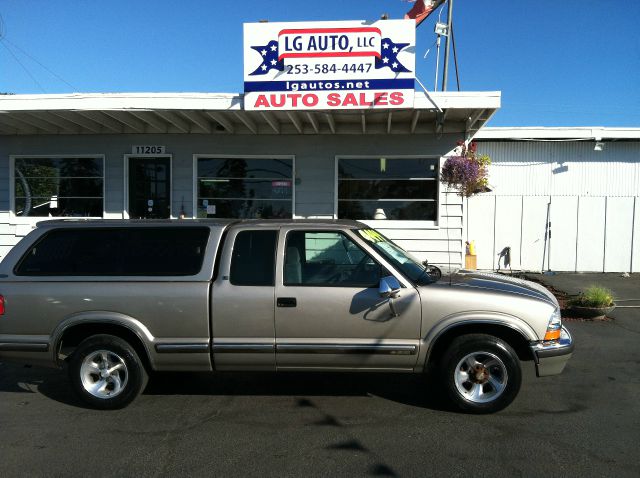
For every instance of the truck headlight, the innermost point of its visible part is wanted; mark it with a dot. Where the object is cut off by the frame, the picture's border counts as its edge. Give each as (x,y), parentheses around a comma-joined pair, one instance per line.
(554,328)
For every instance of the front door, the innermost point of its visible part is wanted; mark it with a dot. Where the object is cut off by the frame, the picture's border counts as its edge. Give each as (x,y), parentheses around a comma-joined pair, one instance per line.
(149,188)
(329,313)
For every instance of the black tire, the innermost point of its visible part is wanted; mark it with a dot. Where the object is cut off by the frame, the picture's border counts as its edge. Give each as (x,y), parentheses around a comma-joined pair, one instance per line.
(115,389)
(494,380)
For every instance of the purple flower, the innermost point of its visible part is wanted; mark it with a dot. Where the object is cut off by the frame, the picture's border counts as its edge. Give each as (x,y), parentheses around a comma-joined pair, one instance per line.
(467,172)
(458,169)
(462,173)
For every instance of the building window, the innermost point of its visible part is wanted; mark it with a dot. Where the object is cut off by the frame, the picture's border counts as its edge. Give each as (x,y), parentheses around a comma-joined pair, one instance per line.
(59,186)
(245,188)
(388,188)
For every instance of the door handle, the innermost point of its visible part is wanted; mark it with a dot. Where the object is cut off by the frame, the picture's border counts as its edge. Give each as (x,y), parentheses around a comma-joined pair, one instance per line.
(286,302)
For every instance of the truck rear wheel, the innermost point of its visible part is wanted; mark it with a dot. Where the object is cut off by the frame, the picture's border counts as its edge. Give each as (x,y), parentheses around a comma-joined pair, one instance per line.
(106,372)
(481,373)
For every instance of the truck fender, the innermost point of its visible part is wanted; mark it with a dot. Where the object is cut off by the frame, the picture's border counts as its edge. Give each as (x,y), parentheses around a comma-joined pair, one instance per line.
(97,317)
(473,318)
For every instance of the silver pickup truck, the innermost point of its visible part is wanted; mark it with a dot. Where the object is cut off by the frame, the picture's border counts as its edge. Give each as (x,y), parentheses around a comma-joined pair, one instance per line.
(115,300)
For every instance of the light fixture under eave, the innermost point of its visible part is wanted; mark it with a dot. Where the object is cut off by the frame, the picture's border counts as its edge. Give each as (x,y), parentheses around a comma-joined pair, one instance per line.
(599,146)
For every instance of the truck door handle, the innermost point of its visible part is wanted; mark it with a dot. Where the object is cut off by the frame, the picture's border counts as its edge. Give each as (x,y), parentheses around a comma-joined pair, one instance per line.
(286,302)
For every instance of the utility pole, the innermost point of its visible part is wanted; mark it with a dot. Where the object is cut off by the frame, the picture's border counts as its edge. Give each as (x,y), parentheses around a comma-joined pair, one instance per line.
(445,72)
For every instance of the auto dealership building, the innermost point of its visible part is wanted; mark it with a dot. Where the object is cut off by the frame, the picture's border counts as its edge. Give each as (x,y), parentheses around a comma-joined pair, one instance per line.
(366,149)
(203,155)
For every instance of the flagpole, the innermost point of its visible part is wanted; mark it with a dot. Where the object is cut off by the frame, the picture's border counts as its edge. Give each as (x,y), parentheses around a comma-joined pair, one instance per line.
(435,83)
(445,72)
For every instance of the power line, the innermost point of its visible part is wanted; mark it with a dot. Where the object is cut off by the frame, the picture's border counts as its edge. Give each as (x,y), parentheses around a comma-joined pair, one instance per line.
(23,67)
(4,39)
(6,42)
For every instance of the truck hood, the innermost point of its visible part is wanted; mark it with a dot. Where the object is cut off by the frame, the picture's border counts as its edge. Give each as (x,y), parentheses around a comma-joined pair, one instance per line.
(501,283)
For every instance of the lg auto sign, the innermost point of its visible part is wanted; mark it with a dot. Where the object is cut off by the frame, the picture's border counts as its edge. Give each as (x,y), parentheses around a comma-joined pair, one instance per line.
(329,65)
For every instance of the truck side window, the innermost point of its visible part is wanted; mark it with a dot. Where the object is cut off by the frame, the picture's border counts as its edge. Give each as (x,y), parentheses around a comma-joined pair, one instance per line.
(114,251)
(253,260)
(328,258)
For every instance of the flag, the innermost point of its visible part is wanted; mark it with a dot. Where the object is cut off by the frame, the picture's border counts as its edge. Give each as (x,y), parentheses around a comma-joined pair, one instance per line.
(422,9)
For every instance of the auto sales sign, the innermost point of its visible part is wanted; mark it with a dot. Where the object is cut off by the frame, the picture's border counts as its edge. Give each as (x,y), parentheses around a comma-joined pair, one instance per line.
(329,65)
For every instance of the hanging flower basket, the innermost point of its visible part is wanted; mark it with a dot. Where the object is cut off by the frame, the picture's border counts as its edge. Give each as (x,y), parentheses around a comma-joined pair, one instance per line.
(467,172)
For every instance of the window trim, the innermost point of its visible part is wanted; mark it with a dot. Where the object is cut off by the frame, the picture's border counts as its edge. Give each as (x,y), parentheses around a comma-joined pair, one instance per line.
(391,223)
(324,231)
(194,212)
(125,203)
(12,185)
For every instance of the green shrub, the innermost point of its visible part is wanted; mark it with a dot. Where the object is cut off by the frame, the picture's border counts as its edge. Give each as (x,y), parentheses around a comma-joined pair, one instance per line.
(593,296)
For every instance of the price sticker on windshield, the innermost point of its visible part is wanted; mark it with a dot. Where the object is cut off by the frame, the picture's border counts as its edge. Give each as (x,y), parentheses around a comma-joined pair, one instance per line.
(371,235)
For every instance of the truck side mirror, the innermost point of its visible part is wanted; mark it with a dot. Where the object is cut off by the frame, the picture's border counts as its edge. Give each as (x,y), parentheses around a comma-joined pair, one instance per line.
(389,287)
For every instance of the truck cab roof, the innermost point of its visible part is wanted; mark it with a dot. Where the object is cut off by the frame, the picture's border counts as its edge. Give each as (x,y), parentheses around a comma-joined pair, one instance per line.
(223,223)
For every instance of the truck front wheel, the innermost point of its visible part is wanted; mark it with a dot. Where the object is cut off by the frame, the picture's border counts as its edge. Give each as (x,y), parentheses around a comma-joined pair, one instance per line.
(481,373)
(106,372)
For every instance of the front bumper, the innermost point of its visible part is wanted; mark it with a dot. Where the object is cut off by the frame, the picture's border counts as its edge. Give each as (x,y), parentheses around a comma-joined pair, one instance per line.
(552,356)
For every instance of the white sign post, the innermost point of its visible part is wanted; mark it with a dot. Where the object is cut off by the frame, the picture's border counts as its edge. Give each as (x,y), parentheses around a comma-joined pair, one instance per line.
(329,65)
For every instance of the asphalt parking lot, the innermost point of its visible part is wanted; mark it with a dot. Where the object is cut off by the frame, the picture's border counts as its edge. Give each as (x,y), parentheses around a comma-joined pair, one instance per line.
(585,422)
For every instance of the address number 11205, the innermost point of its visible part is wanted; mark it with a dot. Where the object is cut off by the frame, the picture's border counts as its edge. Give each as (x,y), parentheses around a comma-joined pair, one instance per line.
(147,149)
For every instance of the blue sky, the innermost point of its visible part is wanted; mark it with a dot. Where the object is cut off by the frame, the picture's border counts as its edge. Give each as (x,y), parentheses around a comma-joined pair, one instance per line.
(557,63)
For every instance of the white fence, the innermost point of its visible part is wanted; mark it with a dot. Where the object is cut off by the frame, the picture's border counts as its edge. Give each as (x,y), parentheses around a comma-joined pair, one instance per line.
(587,233)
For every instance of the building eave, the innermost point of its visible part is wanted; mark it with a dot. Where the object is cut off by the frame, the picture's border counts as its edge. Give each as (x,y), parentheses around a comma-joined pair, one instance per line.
(220,113)
(577,133)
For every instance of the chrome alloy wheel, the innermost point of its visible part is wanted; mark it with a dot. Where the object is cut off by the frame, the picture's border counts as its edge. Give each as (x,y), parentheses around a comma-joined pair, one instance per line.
(481,377)
(104,374)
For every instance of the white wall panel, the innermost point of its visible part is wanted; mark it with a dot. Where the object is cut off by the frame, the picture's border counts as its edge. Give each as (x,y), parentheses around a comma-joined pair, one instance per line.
(508,228)
(591,222)
(422,234)
(8,239)
(635,267)
(442,259)
(563,168)
(619,231)
(564,230)
(480,228)
(534,218)
(430,245)
(519,168)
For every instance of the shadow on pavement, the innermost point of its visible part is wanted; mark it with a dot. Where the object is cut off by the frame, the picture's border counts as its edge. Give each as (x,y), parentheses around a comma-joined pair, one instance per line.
(414,390)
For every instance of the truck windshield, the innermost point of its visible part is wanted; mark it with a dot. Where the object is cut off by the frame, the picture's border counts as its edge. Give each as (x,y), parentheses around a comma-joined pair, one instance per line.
(408,264)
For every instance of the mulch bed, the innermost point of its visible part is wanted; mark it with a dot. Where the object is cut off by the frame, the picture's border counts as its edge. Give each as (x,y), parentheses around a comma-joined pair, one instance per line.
(563,299)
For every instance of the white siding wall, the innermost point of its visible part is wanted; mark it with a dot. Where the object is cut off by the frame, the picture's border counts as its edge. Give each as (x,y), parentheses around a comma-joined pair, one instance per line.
(442,245)
(594,212)
(592,197)
(315,177)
